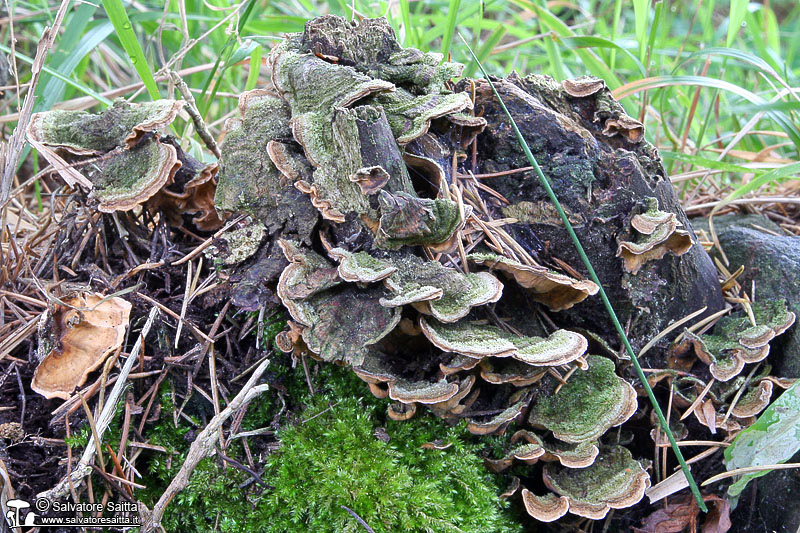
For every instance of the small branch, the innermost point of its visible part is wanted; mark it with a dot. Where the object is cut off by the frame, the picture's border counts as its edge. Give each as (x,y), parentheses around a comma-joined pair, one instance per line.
(191,108)
(358,518)
(201,448)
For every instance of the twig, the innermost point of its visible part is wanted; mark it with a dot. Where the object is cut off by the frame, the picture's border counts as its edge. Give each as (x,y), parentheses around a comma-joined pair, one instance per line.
(202,446)
(191,108)
(749,470)
(358,519)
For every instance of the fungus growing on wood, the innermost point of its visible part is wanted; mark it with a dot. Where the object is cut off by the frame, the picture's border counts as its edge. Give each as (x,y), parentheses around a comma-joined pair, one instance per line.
(517,373)
(405,391)
(536,448)
(444,293)
(583,86)
(614,481)
(249,181)
(590,403)
(125,178)
(658,234)
(120,126)
(484,425)
(482,340)
(755,400)
(628,127)
(360,266)
(556,291)
(191,191)
(341,320)
(85,332)
(735,341)
(408,220)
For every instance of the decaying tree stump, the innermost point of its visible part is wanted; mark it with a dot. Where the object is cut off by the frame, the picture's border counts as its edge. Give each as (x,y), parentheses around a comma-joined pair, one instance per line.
(604,172)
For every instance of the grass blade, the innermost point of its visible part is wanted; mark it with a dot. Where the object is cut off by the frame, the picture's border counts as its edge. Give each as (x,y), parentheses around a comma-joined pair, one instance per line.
(122,25)
(735,19)
(255,68)
(449,27)
(593,275)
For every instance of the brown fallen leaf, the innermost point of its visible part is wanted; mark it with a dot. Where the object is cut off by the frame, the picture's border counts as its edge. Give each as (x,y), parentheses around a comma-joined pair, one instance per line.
(84,333)
(673,518)
(718,519)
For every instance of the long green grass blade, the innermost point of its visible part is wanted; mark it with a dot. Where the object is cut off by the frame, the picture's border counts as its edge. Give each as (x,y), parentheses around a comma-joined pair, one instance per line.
(255,68)
(485,50)
(593,275)
(641,8)
(735,19)
(449,27)
(122,25)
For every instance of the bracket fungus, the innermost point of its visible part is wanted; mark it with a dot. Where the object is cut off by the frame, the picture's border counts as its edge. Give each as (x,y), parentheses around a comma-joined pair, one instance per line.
(120,157)
(658,233)
(614,481)
(481,340)
(340,319)
(557,291)
(735,341)
(85,331)
(122,125)
(589,404)
(535,449)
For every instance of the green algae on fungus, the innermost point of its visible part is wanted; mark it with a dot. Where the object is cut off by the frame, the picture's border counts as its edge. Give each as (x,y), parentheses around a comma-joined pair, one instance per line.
(340,320)
(591,402)
(410,115)
(556,291)
(235,246)
(614,481)
(120,126)
(371,47)
(408,220)
(434,289)
(482,340)
(658,234)
(360,266)
(445,293)
(735,341)
(299,79)
(248,180)
(125,178)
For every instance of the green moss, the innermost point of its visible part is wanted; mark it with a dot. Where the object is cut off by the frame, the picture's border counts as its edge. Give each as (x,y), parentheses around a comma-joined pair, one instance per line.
(329,457)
